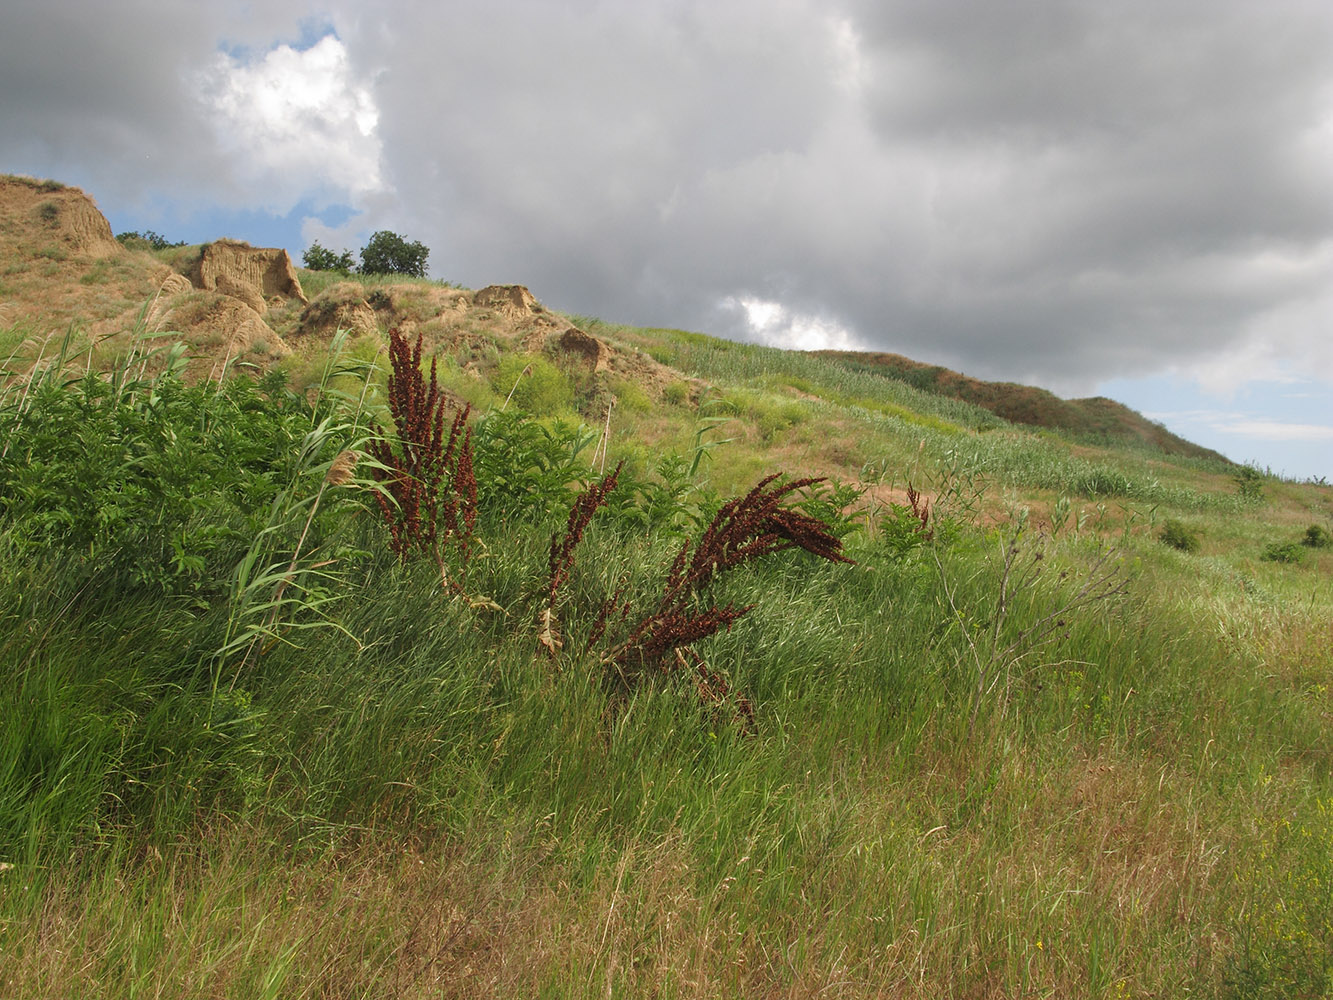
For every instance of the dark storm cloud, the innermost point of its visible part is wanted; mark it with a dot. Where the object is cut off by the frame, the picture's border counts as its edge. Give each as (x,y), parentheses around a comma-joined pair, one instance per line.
(1042,190)
(113,95)
(1045,190)
(552,144)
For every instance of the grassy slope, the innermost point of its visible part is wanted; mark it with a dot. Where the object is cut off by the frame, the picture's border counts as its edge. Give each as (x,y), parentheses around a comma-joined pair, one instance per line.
(415,804)
(1096,418)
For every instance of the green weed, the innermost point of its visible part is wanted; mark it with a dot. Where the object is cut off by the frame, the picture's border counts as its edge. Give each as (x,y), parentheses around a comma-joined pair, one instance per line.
(1177,535)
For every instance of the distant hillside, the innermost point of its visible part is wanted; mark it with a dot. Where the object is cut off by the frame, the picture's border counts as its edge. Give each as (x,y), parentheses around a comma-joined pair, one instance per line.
(237,304)
(1096,417)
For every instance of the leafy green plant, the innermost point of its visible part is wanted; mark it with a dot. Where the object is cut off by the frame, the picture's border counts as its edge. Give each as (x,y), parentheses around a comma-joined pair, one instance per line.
(1177,535)
(1283,552)
(153,482)
(525,467)
(667,501)
(1317,537)
(904,528)
(1249,482)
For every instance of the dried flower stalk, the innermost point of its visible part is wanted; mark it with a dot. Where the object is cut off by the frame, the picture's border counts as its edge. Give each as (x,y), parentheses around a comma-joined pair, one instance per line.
(561,560)
(746,528)
(428,476)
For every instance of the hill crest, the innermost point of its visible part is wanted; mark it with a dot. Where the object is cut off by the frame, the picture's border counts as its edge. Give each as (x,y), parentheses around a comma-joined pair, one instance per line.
(1097,417)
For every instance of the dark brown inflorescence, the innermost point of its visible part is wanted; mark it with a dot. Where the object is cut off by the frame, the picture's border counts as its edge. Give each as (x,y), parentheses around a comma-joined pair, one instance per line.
(428,475)
(561,559)
(750,527)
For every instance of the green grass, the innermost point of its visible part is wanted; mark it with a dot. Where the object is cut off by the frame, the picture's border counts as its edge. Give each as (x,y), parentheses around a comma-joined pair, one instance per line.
(315,282)
(388,791)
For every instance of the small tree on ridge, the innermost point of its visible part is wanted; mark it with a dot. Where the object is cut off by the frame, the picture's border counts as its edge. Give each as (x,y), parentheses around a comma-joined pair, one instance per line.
(389,253)
(320,258)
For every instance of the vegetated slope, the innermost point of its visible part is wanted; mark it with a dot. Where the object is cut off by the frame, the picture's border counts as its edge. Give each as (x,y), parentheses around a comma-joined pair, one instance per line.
(252,745)
(231,303)
(1096,416)
(69,286)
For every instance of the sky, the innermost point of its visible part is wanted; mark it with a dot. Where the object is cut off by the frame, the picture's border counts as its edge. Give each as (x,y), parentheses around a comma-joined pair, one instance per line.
(1132,199)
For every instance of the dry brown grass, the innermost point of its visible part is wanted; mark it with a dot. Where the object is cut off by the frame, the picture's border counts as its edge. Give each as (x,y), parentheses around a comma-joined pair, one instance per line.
(988,874)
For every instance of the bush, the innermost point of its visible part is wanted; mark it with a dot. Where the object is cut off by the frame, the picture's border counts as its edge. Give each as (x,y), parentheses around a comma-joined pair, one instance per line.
(156,485)
(147,240)
(1283,552)
(389,253)
(319,258)
(1317,537)
(1176,535)
(676,393)
(630,396)
(1249,483)
(532,384)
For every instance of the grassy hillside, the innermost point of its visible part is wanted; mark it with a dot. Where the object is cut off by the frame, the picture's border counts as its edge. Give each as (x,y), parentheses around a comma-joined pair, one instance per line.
(1097,418)
(1060,727)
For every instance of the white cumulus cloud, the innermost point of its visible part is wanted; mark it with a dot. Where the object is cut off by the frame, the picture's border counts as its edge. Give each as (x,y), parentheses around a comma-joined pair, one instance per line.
(774,324)
(296,121)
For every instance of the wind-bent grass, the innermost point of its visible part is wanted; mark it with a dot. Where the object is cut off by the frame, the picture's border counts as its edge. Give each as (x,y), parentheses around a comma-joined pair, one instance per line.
(440,785)
(412,802)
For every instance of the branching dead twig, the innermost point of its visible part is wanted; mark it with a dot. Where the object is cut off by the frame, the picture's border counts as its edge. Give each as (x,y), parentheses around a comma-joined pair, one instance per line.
(995,663)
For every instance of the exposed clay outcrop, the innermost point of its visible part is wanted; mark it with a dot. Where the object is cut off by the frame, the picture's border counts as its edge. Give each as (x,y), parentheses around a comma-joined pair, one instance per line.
(254,275)
(512,301)
(340,307)
(67,215)
(592,351)
(222,320)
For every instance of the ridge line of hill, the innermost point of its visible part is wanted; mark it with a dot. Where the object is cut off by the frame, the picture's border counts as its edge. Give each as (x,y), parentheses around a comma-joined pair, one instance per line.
(1096,417)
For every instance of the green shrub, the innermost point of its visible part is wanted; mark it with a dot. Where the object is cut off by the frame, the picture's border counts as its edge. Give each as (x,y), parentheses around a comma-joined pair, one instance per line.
(630,396)
(159,485)
(676,393)
(769,413)
(1249,483)
(1178,536)
(532,384)
(1283,552)
(903,529)
(1317,537)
